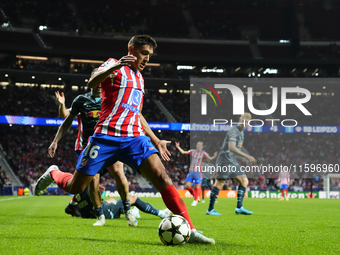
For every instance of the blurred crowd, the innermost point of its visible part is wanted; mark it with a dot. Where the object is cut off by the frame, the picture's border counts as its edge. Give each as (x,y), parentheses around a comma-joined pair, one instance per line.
(171,71)
(6,180)
(33,101)
(26,149)
(186,19)
(20,101)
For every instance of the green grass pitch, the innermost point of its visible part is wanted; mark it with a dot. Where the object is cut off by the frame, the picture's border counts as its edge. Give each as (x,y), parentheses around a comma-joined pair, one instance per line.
(38,225)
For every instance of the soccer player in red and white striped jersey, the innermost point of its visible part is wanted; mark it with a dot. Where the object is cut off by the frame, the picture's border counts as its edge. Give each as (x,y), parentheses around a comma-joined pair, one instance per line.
(195,173)
(123,134)
(284,179)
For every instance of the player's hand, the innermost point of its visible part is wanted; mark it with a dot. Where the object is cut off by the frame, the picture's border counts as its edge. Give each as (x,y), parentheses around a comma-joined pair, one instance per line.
(163,150)
(101,188)
(126,60)
(52,149)
(177,144)
(251,159)
(215,154)
(60,97)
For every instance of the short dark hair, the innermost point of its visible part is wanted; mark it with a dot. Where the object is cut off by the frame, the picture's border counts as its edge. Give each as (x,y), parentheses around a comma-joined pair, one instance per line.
(140,40)
(94,70)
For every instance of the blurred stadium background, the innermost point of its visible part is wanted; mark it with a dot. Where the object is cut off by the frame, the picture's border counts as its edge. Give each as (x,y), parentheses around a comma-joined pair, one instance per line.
(50,46)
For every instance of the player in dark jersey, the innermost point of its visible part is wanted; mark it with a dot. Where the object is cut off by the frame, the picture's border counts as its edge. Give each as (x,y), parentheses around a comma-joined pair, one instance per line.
(228,167)
(122,133)
(206,177)
(114,208)
(86,108)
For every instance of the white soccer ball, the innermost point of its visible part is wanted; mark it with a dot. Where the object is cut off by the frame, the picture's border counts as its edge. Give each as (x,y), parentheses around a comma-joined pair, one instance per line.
(174,230)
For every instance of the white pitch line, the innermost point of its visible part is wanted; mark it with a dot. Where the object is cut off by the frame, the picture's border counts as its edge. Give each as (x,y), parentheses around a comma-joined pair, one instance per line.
(13,198)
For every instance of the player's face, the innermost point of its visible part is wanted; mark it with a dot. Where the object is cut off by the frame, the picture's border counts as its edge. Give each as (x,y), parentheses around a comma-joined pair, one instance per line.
(97,92)
(199,146)
(143,54)
(246,121)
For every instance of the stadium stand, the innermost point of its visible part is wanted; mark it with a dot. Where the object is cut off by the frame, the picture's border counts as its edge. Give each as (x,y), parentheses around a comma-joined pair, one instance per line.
(293,43)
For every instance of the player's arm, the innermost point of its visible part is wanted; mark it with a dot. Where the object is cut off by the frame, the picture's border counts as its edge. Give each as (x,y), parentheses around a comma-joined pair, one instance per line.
(94,191)
(107,68)
(159,144)
(183,152)
(213,157)
(63,112)
(232,147)
(62,130)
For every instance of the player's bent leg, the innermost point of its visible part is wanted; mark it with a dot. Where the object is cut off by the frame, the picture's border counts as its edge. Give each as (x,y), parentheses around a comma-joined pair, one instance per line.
(243,183)
(134,211)
(44,181)
(153,169)
(282,195)
(77,183)
(148,208)
(196,193)
(73,184)
(189,188)
(94,191)
(213,196)
(198,190)
(96,201)
(203,189)
(117,171)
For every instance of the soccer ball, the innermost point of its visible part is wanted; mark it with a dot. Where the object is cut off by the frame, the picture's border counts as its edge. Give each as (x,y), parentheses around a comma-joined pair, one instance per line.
(174,230)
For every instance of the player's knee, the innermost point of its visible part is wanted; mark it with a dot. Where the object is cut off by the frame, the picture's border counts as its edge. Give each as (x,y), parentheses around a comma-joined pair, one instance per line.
(165,178)
(219,184)
(133,200)
(244,182)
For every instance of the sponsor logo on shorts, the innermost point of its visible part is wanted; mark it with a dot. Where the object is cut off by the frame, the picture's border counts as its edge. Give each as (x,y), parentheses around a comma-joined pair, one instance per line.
(84,161)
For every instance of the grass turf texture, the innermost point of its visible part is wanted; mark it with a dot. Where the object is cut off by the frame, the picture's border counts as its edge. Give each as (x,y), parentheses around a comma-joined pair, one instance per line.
(38,225)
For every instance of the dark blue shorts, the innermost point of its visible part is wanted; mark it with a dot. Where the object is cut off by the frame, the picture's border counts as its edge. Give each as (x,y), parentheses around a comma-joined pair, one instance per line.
(206,182)
(104,150)
(113,210)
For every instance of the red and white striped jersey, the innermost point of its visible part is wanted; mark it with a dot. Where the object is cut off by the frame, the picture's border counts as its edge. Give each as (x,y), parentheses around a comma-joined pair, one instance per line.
(122,94)
(284,177)
(197,159)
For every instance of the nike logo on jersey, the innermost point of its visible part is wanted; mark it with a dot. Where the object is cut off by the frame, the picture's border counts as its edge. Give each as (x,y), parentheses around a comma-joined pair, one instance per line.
(150,148)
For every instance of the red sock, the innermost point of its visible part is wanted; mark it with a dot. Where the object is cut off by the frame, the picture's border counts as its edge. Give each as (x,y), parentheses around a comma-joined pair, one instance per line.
(286,193)
(283,195)
(198,191)
(60,178)
(192,192)
(175,203)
